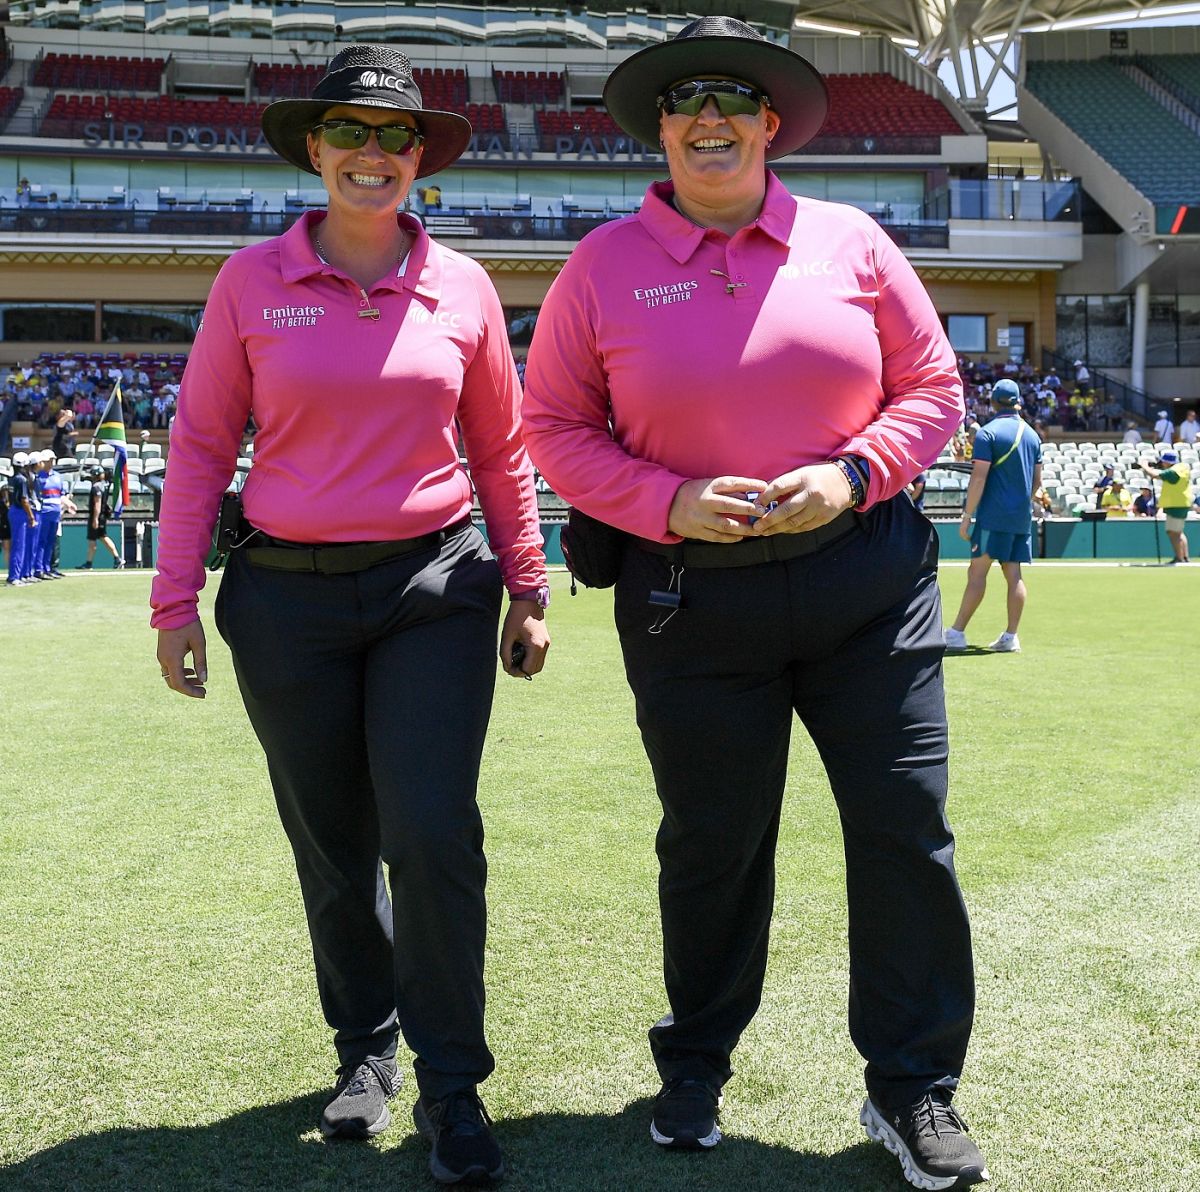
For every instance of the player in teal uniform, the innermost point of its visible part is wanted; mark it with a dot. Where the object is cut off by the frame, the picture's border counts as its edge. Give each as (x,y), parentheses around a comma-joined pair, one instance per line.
(1006,471)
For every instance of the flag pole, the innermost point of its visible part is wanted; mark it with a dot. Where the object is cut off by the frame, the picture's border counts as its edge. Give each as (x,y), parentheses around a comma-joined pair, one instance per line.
(103,413)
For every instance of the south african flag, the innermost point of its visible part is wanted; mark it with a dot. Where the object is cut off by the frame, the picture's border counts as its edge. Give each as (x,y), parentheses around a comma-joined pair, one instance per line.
(112,430)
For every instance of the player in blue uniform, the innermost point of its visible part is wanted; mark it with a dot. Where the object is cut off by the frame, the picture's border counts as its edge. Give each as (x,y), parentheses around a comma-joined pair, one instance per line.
(20,519)
(1006,471)
(51,488)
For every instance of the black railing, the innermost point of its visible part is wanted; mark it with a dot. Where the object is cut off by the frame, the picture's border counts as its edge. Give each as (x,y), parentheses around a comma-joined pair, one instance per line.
(237,219)
(1132,400)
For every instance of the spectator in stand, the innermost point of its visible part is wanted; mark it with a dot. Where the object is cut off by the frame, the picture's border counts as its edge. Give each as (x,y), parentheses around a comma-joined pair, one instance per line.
(64,434)
(1039,428)
(1007,472)
(1189,429)
(1102,485)
(142,409)
(916,490)
(1164,429)
(162,408)
(1115,500)
(1144,504)
(1113,412)
(1083,378)
(1175,477)
(1132,435)
(1052,381)
(969,442)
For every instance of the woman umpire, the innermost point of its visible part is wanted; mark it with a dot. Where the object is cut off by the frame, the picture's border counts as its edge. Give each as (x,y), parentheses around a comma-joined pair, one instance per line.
(360,605)
(745,383)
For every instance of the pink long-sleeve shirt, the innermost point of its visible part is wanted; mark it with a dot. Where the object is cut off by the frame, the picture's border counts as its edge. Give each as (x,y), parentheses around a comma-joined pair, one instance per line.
(666,352)
(356,417)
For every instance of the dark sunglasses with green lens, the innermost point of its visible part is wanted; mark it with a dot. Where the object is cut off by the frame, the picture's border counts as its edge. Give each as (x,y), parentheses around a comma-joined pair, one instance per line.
(351,134)
(732,99)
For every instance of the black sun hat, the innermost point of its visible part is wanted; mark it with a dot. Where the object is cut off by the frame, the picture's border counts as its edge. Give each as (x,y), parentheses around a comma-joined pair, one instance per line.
(371,77)
(722,48)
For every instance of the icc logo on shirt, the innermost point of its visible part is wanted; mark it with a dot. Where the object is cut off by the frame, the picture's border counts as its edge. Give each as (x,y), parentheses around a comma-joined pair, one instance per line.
(806,269)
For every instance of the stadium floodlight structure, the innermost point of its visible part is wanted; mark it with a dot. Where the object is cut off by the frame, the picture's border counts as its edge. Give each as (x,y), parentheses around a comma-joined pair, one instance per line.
(965,31)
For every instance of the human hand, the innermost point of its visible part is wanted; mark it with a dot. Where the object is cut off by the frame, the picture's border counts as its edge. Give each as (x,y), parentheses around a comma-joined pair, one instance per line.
(525,622)
(964,527)
(708,510)
(805,498)
(173,647)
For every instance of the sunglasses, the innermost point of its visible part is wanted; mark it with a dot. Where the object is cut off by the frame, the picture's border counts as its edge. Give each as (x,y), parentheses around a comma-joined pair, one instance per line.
(350,134)
(732,99)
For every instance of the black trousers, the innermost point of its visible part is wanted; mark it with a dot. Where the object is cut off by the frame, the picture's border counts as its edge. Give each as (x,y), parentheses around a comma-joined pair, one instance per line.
(849,639)
(370,694)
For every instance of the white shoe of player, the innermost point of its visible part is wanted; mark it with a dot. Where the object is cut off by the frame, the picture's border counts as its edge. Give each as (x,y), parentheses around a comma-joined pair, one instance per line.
(955,639)
(1006,643)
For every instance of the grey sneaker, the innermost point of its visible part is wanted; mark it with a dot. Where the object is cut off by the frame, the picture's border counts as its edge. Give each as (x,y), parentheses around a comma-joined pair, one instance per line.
(358,1108)
(930,1140)
(685,1115)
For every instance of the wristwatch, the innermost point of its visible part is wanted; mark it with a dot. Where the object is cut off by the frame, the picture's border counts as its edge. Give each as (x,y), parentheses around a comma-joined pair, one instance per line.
(540,596)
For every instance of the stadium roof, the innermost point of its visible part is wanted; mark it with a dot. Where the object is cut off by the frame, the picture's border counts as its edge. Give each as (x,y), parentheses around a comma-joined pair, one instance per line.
(936,30)
(937,27)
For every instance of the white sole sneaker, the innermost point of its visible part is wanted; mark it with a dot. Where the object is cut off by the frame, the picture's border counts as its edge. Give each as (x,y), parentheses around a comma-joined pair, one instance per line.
(1005,645)
(879,1131)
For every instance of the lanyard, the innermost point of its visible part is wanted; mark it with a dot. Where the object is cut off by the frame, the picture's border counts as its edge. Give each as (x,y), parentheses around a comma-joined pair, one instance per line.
(1020,432)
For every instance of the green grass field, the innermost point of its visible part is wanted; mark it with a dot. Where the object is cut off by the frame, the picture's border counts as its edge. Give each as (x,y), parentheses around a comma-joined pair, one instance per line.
(158,1017)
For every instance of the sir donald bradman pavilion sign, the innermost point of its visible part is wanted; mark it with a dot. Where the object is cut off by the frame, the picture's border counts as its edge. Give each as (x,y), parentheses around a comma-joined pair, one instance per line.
(210,138)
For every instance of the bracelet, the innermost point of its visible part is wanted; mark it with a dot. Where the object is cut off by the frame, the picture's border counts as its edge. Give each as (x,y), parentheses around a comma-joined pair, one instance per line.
(858,491)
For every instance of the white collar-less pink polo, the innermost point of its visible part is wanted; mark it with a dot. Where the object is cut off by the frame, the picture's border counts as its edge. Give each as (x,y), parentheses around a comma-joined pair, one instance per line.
(357,416)
(666,352)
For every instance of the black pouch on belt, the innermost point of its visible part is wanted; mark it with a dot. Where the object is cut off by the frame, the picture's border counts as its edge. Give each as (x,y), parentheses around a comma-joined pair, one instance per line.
(592,549)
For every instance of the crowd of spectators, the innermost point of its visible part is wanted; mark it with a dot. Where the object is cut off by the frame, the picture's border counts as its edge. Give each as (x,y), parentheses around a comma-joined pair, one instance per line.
(1067,402)
(68,395)
(1047,399)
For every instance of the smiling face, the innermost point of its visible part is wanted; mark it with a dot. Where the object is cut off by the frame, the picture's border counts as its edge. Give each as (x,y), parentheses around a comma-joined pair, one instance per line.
(714,158)
(364,181)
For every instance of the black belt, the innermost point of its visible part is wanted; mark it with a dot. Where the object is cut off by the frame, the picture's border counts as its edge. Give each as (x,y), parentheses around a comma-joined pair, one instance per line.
(749,551)
(341,558)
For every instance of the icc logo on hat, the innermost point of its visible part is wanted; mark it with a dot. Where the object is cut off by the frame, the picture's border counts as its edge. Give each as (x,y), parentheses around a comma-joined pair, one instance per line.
(372,78)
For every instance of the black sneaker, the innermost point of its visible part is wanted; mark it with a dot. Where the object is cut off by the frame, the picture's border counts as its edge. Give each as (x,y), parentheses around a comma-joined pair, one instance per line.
(685,1115)
(84,567)
(465,1150)
(358,1108)
(930,1140)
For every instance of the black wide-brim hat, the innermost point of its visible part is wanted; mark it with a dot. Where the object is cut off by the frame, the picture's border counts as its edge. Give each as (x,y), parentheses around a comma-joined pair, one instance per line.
(721,48)
(369,77)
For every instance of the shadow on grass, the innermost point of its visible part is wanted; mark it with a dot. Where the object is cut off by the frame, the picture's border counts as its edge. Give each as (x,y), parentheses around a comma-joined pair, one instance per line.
(278,1147)
(976,652)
